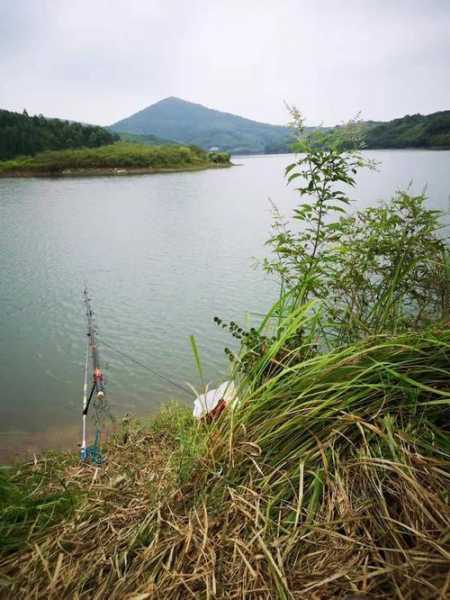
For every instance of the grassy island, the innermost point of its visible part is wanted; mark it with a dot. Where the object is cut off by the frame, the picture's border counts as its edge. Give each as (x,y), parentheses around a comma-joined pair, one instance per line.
(120,158)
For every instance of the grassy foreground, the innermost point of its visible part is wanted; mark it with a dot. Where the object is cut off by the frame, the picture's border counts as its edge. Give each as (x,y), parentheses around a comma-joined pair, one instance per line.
(329,479)
(119,158)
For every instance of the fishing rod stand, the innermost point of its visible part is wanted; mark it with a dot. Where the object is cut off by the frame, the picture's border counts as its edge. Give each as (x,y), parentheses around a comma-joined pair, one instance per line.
(91,453)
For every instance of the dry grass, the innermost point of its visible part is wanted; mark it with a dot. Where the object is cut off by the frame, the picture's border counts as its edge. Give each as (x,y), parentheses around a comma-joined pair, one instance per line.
(138,536)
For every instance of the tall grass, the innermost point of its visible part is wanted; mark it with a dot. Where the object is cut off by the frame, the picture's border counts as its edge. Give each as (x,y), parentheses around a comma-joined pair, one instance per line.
(33,497)
(329,478)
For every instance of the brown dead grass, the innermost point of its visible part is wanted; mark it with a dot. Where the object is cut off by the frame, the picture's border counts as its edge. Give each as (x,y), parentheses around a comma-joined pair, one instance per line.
(140,535)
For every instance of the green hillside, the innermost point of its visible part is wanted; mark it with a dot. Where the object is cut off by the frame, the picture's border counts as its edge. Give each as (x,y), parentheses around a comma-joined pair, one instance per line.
(411,131)
(191,123)
(173,122)
(147,140)
(22,135)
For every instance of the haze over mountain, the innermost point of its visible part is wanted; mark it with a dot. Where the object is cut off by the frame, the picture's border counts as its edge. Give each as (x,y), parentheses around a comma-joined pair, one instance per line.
(189,123)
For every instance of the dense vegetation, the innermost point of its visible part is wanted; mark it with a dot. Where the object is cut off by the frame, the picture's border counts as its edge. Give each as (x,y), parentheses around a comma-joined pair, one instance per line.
(121,155)
(328,477)
(412,131)
(191,123)
(22,135)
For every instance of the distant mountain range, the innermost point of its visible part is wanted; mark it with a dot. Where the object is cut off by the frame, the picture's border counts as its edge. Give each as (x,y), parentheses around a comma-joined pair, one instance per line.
(175,121)
(189,123)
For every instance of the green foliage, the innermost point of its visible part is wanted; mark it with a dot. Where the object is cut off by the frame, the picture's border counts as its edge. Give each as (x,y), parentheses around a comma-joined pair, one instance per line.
(22,135)
(197,358)
(148,140)
(219,157)
(344,411)
(381,269)
(411,131)
(303,255)
(32,498)
(391,269)
(121,155)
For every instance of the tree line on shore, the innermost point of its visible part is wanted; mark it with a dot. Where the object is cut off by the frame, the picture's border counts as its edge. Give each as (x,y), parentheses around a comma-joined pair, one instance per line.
(25,135)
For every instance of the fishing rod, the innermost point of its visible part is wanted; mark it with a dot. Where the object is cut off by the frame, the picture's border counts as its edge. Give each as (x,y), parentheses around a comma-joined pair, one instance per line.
(98,384)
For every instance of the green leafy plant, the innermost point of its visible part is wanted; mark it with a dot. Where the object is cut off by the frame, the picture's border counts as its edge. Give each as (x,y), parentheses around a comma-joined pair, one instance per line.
(392,270)
(380,269)
(383,269)
(324,170)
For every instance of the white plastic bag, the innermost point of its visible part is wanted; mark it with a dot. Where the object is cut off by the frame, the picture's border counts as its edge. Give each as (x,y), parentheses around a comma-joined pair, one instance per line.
(206,403)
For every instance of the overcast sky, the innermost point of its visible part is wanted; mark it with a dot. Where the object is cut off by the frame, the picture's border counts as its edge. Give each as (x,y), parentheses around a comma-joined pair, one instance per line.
(98,61)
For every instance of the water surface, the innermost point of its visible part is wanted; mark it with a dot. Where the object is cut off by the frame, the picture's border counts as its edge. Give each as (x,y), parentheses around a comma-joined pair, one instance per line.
(162,255)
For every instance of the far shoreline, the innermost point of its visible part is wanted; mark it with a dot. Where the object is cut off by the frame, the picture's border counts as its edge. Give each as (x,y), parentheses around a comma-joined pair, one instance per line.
(111,171)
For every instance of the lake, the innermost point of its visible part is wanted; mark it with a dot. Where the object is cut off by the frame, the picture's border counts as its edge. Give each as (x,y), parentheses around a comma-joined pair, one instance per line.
(161,255)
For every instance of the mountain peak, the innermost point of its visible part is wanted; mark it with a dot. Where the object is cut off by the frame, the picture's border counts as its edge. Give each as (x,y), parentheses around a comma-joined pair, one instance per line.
(190,123)
(170,100)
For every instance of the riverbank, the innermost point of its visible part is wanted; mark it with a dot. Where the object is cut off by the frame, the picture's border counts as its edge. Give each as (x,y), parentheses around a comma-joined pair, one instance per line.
(328,481)
(117,159)
(18,446)
(104,172)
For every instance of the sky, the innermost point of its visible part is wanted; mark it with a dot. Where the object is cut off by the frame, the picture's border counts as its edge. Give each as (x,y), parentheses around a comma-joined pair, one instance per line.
(99,61)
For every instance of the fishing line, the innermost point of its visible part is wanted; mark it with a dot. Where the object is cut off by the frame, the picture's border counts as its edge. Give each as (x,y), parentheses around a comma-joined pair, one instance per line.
(19,309)
(144,366)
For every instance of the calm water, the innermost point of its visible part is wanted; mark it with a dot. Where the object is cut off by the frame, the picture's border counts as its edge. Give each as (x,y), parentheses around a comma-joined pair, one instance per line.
(162,255)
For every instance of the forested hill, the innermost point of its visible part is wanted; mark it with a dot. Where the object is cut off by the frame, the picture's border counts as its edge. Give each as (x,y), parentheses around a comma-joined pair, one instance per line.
(411,131)
(190,123)
(21,134)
